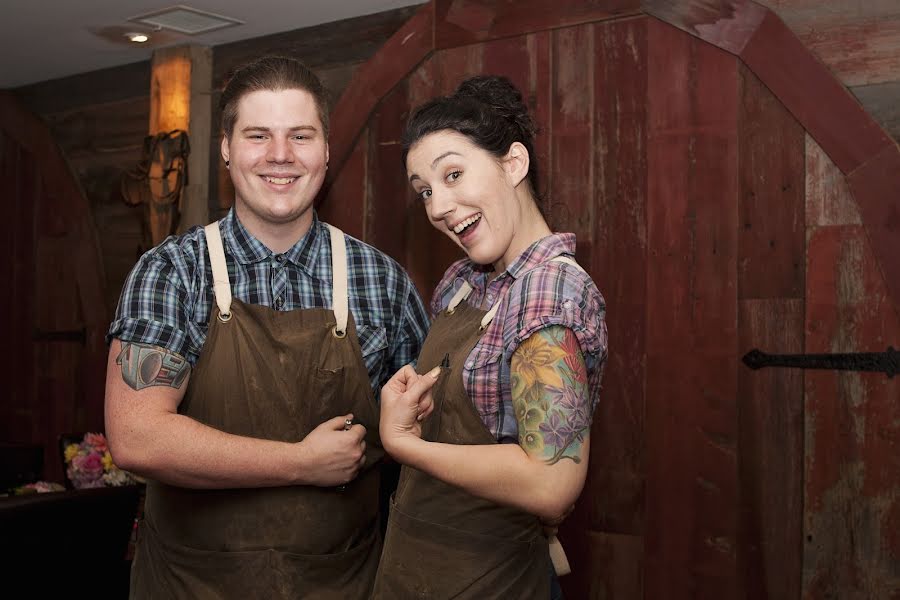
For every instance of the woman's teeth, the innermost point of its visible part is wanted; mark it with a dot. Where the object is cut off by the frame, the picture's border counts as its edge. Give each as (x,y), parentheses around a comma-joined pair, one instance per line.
(280,180)
(461,226)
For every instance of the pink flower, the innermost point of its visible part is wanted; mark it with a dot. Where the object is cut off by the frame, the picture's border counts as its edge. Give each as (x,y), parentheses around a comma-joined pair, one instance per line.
(86,470)
(97,441)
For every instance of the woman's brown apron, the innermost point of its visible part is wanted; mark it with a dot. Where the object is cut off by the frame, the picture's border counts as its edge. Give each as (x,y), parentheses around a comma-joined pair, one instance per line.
(441,541)
(271,375)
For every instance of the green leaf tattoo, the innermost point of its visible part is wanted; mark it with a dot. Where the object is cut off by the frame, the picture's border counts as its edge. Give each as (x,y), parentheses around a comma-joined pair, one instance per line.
(550,395)
(145,366)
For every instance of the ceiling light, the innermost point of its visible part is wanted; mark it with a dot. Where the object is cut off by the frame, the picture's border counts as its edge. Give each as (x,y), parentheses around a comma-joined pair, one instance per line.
(138,38)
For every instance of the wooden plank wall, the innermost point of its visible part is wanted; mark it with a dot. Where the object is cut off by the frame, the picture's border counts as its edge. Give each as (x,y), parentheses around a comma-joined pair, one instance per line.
(851,510)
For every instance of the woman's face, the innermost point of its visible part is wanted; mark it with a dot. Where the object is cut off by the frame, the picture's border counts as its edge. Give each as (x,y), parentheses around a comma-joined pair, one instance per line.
(468,193)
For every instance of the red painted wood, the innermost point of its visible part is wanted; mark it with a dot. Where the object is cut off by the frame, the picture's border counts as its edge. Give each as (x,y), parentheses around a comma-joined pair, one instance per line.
(770,453)
(461,22)
(347,201)
(387,214)
(616,562)
(608,564)
(571,208)
(728,24)
(876,187)
(394,61)
(828,197)
(691,418)
(422,237)
(822,105)
(772,158)
(852,424)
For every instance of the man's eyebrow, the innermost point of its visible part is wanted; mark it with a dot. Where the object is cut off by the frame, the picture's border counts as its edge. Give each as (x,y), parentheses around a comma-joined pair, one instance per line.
(267,129)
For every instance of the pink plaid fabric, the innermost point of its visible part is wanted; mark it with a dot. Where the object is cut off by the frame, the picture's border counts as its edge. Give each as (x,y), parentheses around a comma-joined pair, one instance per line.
(535,293)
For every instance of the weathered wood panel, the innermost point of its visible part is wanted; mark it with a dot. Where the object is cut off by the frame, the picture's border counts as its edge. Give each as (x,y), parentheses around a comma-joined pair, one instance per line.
(460,22)
(828,198)
(572,145)
(399,55)
(882,101)
(770,453)
(611,507)
(691,440)
(771,246)
(345,205)
(389,206)
(771,238)
(852,426)
(858,41)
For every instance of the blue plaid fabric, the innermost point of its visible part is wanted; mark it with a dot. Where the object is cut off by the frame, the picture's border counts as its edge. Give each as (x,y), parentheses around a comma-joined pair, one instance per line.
(168,298)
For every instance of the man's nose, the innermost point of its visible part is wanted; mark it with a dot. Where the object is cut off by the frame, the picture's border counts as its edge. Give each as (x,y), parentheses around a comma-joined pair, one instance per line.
(279,150)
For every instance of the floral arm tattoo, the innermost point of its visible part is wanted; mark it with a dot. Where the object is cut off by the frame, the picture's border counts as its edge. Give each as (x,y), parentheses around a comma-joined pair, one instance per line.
(550,395)
(144,365)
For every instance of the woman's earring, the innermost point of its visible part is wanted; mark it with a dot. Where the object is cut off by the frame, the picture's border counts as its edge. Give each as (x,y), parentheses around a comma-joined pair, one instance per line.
(227,164)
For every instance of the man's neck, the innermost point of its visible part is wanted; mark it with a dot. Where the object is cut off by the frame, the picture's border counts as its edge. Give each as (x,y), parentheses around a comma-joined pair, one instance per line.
(277,237)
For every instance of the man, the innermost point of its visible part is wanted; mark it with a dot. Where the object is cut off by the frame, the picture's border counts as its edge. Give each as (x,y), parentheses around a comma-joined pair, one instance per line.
(242,371)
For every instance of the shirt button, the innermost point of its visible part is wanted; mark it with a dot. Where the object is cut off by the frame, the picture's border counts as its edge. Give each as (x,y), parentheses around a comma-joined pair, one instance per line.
(278,303)
(567,304)
(279,258)
(490,298)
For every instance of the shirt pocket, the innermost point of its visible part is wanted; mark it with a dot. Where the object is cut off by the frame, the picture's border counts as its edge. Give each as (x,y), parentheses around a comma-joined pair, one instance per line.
(373,345)
(482,382)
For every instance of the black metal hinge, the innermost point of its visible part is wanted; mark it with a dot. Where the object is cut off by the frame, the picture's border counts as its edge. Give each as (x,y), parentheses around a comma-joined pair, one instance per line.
(887,362)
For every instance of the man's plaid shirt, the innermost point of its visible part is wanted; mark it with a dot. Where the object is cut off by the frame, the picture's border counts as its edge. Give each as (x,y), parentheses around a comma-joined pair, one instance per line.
(535,292)
(168,298)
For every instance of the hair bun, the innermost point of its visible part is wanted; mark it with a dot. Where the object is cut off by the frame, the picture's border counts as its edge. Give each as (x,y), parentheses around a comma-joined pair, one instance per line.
(501,96)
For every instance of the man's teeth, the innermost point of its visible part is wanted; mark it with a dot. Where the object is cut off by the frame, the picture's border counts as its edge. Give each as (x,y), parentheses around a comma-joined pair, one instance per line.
(280,180)
(459,228)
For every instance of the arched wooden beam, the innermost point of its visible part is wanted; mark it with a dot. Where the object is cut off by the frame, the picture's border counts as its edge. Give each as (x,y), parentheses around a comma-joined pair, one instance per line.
(441,24)
(854,141)
(60,183)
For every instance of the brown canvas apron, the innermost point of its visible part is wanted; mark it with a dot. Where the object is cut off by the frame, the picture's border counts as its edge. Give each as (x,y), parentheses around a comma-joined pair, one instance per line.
(442,542)
(272,375)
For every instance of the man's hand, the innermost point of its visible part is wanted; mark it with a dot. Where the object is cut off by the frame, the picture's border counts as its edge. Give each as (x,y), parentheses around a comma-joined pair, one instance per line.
(405,402)
(334,453)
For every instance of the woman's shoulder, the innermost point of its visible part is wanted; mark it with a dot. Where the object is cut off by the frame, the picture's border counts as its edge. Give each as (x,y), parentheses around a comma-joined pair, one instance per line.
(453,278)
(558,293)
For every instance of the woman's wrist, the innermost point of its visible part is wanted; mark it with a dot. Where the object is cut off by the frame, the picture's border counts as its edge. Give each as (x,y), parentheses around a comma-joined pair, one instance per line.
(402,447)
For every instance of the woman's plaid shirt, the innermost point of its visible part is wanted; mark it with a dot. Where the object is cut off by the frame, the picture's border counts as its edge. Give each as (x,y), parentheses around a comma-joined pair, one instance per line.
(168,298)
(535,293)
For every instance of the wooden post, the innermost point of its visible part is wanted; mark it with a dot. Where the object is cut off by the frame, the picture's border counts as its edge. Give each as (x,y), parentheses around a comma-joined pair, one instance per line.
(180,84)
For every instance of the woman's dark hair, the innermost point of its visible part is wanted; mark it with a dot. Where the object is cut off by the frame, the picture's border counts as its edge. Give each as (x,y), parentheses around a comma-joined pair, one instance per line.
(488,110)
(273,73)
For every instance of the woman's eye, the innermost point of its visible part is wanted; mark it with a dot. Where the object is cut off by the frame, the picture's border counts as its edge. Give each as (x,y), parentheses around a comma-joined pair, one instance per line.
(424,194)
(453,176)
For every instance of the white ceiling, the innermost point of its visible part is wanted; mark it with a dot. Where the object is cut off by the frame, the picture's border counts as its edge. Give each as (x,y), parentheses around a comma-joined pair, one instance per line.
(47,39)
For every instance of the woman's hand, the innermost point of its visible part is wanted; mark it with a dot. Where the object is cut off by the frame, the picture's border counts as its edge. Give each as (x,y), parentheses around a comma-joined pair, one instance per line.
(405,402)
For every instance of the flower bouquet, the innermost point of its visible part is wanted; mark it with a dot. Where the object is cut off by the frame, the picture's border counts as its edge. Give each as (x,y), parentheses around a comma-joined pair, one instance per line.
(90,465)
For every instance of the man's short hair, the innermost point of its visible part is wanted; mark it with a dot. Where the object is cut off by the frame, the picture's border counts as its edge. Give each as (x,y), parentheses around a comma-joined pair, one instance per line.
(275,73)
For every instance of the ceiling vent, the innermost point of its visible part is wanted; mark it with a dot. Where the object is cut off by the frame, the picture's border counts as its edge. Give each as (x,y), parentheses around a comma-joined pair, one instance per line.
(185,19)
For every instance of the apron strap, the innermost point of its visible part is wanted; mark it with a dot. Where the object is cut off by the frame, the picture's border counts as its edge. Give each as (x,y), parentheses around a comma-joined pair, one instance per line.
(461,294)
(221,283)
(493,311)
(339,299)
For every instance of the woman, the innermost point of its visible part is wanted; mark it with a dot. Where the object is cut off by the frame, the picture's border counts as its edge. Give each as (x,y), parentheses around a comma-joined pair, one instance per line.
(515,355)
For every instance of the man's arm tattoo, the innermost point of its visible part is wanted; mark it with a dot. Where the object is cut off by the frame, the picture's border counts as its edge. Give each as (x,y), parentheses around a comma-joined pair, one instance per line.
(550,395)
(144,365)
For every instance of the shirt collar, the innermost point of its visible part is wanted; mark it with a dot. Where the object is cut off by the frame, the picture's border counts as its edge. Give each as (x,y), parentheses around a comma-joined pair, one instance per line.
(246,249)
(541,251)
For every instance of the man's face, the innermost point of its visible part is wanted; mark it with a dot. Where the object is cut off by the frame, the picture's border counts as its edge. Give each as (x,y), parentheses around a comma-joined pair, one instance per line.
(278,155)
